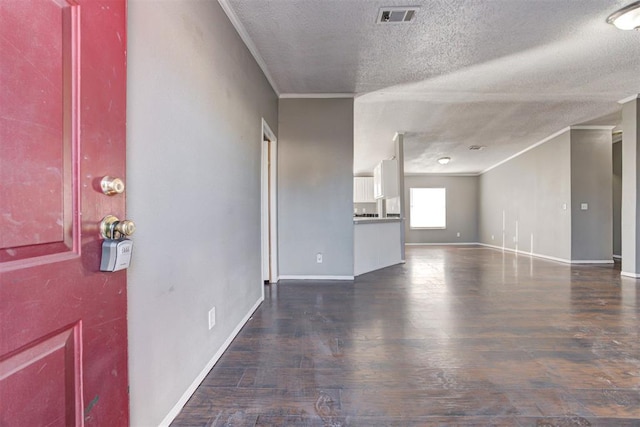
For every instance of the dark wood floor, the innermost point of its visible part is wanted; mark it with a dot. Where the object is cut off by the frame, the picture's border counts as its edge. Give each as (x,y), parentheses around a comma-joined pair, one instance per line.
(464,336)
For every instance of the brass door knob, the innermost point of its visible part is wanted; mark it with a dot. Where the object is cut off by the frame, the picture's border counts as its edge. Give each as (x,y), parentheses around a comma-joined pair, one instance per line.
(125,227)
(112,228)
(111,185)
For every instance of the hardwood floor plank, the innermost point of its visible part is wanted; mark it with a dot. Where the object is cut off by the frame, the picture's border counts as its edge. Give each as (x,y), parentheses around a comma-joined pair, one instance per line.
(463,336)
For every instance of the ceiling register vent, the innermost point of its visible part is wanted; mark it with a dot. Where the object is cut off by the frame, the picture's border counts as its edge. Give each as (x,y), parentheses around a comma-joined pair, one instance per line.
(397,15)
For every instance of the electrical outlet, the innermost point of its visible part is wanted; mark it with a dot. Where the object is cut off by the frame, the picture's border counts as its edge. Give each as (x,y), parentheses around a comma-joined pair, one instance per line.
(458,234)
(492,237)
(212,318)
(584,206)
(319,257)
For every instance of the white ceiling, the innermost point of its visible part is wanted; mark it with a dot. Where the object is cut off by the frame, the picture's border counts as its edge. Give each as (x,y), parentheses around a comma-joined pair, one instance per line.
(504,74)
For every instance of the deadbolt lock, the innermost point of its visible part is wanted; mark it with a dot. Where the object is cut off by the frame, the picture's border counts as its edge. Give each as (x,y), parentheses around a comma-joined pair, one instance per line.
(112,228)
(111,186)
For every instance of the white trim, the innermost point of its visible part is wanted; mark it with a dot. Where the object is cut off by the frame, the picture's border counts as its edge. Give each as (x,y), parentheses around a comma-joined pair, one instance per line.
(591,127)
(592,261)
(317,95)
(265,267)
(629,98)
(273,214)
(617,256)
(551,258)
(244,35)
(632,275)
(173,413)
(396,135)
(266,130)
(442,244)
(305,277)
(531,147)
(427,174)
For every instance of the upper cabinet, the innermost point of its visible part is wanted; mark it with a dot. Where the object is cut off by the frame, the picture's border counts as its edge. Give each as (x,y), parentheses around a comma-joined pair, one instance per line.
(363,189)
(385,179)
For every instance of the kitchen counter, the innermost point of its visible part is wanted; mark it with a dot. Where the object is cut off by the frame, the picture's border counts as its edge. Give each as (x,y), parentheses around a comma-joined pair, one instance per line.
(377,243)
(372,220)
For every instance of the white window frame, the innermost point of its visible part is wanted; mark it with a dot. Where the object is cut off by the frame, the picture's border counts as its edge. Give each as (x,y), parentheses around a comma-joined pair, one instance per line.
(414,210)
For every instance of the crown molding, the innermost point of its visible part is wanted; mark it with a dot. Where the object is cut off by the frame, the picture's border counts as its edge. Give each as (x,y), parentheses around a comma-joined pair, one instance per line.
(436,174)
(592,127)
(316,95)
(629,98)
(531,147)
(244,35)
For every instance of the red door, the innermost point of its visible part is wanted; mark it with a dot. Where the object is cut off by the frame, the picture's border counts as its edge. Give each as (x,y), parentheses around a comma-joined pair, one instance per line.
(63,323)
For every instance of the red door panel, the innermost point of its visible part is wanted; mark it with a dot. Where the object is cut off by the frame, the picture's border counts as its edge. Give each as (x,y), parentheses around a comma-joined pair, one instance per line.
(63,337)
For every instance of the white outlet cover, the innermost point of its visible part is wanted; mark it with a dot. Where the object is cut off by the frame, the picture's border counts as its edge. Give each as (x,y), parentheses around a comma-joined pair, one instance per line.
(584,206)
(212,318)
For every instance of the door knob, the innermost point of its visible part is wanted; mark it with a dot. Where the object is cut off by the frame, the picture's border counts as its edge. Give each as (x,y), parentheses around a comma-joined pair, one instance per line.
(113,228)
(111,185)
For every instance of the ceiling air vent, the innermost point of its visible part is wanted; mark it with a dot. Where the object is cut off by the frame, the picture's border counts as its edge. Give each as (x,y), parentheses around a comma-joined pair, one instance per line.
(476,147)
(397,15)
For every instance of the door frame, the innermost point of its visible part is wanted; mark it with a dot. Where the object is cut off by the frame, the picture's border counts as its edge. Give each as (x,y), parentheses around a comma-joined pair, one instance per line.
(268,202)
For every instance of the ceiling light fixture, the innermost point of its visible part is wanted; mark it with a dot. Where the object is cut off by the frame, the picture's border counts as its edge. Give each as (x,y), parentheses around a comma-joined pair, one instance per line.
(444,160)
(627,18)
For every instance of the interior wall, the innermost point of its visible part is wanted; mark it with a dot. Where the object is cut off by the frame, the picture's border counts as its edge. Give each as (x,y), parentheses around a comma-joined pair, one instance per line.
(195,102)
(617,198)
(629,223)
(315,187)
(591,184)
(525,203)
(462,209)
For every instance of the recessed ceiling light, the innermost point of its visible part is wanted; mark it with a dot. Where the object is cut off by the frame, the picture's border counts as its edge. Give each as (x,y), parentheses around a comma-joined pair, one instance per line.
(444,160)
(627,18)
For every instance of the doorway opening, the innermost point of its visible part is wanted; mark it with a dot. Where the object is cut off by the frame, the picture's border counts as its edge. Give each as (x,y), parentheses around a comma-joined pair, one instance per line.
(617,196)
(268,211)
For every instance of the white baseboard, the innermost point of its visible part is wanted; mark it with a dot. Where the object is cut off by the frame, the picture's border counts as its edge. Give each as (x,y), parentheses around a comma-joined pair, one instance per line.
(551,258)
(442,244)
(592,261)
(304,277)
(632,275)
(173,413)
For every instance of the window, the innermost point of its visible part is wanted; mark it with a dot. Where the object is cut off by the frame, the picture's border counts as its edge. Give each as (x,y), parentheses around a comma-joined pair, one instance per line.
(428,208)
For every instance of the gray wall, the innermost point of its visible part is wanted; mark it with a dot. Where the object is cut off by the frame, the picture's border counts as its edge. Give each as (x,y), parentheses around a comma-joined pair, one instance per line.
(530,191)
(195,102)
(462,209)
(617,197)
(591,183)
(315,187)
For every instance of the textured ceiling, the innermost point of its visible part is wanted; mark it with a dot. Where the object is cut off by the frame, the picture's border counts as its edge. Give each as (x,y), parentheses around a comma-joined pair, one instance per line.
(504,74)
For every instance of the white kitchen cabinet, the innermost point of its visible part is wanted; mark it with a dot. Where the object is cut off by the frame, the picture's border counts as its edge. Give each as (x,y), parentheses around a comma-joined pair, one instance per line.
(385,179)
(363,189)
